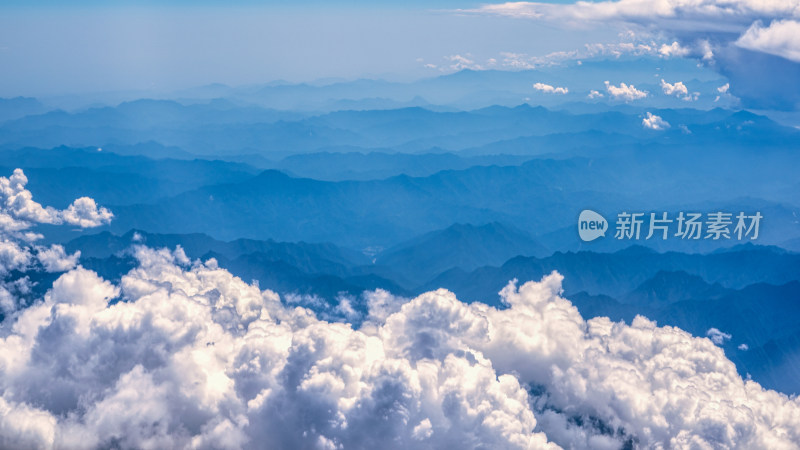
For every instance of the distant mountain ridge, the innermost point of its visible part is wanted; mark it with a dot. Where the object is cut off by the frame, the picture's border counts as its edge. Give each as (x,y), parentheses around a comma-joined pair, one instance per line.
(462,246)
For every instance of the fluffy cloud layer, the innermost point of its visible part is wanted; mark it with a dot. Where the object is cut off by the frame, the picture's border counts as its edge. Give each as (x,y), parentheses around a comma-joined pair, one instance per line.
(189,356)
(183,354)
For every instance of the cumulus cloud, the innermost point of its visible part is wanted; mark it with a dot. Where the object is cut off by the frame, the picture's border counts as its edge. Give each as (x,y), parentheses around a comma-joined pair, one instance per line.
(55,259)
(184,354)
(625,92)
(674,49)
(780,38)
(84,213)
(193,357)
(548,89)
(678,88)
(18,250)
(595,94)
(17,206)
(654,122)
(18,210)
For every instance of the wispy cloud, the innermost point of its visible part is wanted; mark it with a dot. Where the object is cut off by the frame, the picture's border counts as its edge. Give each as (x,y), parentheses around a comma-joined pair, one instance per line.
(595,94)
(718,337)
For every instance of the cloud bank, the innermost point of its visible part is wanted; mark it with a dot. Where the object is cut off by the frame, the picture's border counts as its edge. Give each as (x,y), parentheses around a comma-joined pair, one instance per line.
(181,354)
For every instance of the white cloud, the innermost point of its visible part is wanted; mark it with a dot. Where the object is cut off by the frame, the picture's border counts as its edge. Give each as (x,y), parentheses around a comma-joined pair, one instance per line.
(182,354)
(712,31)
(517,61)
(780,38)
(618,49)
(18,251)
(705,49)
(724,92)
(595,94)
(18,210)
(718,337)
(678,88)
(654,122)
(625,92)
(462,62)
(548,89)
(194,357)
(674,49)
(743,347)
(13,256)
(84,213)
(521,61)
(55,259)
(702,14)
(17,206)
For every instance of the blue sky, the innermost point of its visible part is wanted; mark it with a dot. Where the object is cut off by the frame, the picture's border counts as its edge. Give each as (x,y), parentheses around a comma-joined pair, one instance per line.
(48,48)
(269,3)
(54,50)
